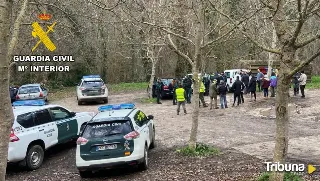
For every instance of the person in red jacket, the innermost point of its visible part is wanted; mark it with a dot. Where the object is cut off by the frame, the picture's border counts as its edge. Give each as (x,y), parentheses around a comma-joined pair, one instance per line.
(265,86)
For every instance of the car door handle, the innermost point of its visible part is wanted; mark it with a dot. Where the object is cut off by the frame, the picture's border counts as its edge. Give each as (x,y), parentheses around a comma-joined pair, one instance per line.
(41,129)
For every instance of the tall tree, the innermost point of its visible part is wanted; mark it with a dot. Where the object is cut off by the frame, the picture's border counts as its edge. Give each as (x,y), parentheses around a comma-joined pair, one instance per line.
(289,19)
(6,114)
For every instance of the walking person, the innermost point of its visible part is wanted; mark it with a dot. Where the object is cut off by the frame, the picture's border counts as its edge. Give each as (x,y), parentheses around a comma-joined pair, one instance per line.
(158,90)
(260,75)
(295,82)
(265,86)
(181,100)
(252,88)
(213,93)
(201,94)
(273,84)
(187,83)
(303,82)
(237,87)
(222,90)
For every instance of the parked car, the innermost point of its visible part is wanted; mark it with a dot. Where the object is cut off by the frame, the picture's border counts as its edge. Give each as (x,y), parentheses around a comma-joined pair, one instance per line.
(31,92)
(118,136)
(37,127)
(165,90)
(91,88)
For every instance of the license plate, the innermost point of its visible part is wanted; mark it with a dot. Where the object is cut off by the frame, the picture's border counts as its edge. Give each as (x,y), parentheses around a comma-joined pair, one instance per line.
(106,147)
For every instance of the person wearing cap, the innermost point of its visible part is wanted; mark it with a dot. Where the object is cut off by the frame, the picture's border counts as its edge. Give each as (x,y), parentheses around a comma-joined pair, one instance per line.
(181,100)
(213,92)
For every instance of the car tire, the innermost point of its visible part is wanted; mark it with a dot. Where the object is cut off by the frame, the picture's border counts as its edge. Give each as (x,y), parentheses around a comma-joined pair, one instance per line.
(144,165)
(79,103)
(34,157)
(153,142)
(46,99)
(85,174)
(105,101)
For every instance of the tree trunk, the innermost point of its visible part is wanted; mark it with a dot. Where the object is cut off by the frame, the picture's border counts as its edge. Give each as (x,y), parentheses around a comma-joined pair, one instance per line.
(195,113)
(6,114)
(272,56)
(153,75)
(282,115)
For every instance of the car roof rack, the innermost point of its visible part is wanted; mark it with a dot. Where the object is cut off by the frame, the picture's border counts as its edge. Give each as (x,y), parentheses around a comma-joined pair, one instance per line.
(29,103)
(111,107)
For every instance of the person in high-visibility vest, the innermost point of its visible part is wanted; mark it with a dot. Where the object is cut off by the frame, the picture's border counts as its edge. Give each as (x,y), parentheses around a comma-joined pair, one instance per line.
(181,100)
(201,94)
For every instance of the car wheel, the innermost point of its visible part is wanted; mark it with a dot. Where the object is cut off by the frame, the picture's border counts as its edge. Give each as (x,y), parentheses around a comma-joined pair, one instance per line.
(34,157)
(105,101)
(153,142)
(144,165)
(46,99)
(79,103)
(85,174)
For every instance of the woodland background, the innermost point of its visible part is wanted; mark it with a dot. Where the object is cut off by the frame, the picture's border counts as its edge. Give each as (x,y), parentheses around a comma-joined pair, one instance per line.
(110,38)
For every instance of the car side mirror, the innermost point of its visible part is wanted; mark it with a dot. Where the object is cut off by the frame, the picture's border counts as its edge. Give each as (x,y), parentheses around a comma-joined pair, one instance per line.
(73,114)
(76,84)
(150,117)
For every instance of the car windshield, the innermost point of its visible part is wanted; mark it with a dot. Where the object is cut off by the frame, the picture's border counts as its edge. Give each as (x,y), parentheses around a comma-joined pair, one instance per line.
(92,84)
(29,89)
(166,81)
(227,74)
(104,129)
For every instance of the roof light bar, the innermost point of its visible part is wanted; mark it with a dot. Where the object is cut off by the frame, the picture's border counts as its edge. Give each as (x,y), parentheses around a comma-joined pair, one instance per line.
(115,107)
(29,103)
(91,76)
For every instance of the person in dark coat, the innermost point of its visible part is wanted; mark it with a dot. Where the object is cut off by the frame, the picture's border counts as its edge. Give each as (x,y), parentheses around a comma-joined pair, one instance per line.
(159,85)
(222,90)
(245,79)
(237,88)
(187,83)
(252,88)
(265,86)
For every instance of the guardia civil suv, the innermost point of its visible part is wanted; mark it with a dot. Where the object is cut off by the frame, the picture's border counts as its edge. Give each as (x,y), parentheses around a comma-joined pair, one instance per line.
(37,127)
(119,135)
(91,88)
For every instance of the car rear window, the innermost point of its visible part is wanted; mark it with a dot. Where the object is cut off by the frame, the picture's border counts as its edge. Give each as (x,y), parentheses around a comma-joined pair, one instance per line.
(166,81)
(26,120)
(227,74)
(103,129)
(92,84)
(29,89)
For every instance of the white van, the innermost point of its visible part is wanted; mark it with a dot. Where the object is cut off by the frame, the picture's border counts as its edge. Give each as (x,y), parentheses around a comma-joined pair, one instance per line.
(231,76)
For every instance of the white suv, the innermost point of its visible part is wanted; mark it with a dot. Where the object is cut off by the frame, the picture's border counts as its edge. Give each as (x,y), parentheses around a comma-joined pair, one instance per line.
(119,135)
(91,88)
(37,127)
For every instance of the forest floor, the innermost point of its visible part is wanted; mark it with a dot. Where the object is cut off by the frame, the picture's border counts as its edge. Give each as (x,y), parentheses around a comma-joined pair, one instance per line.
(244,134)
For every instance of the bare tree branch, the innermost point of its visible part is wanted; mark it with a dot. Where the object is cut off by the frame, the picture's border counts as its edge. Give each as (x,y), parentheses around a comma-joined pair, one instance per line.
(104,7)
(245,33)
(16,30)
(301,14)
(295,70)
(175,49)
(302,44)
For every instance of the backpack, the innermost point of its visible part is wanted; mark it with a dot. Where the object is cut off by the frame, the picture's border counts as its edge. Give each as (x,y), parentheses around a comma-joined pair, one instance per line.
(273,82)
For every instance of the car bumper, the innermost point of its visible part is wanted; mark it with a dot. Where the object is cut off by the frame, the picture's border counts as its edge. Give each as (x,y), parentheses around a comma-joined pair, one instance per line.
(92,98)
(135,158)
(15,155)
(167,93)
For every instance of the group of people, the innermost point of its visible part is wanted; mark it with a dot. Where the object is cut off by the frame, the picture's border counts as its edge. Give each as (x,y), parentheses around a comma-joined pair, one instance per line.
(245,84)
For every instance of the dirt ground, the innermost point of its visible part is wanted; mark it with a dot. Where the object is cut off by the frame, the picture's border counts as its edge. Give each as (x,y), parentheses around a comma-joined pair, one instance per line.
(245,135)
